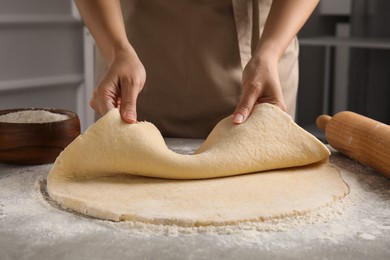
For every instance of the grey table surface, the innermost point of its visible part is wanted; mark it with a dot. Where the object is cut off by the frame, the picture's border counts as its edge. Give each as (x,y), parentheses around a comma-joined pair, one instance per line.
(31,228)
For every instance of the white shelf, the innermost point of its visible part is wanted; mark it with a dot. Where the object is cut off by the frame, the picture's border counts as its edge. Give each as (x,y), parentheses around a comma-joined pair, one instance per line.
(335,7)
(17,20)
(331,41)
(71,79)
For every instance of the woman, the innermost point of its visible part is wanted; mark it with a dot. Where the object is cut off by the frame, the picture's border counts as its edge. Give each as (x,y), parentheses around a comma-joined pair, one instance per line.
(185,64)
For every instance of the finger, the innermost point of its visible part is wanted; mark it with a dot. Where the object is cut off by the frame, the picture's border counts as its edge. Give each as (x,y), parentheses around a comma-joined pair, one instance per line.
(248,100)
(106,106)
(101,102)
(276,101)
(276,98)
(93,103)
(130,91)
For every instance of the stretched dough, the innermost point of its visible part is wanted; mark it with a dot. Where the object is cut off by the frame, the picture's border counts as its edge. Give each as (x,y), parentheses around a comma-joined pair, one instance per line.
(95,175)
(269,139)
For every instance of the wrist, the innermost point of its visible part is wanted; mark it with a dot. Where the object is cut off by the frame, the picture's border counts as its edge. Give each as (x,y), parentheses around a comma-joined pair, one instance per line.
(120,51)
(268,52)
(265,58)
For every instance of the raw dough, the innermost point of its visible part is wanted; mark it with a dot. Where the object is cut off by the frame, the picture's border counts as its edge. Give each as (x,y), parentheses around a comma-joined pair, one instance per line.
(220,201)
(95,175)
(269,139)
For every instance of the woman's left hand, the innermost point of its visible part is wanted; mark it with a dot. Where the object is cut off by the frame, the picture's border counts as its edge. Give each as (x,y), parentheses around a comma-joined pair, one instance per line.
(260,84)
(260,78)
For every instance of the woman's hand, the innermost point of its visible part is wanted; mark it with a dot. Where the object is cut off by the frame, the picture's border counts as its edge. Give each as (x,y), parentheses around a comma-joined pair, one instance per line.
(120,86)
(125,76)
(261,84)
(260,77)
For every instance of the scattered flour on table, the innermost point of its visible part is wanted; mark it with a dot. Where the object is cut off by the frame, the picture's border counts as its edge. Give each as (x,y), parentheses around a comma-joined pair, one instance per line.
(363,215)
(323,215)
(32,116)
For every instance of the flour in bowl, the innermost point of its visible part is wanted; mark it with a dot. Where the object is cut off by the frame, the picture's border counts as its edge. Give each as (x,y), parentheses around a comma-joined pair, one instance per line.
(32,116)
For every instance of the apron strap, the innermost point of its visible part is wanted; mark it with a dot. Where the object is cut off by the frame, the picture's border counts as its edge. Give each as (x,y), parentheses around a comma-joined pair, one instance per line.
(255,25)
(247,18)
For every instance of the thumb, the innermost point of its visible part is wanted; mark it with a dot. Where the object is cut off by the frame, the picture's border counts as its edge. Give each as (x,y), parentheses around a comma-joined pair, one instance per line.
(128,103)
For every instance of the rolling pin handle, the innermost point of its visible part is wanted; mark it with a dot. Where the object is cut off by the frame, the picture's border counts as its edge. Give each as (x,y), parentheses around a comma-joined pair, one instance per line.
(322,121)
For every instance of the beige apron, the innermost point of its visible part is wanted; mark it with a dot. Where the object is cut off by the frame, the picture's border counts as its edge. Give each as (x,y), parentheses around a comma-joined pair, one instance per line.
(193,52)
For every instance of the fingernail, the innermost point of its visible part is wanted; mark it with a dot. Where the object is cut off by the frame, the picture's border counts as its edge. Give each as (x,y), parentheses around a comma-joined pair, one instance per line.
(129,116)
(238,118)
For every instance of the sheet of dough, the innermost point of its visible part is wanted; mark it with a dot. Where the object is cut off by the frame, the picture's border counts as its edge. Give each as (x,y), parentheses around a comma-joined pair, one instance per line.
(96,174)
(229,200)
(269,139)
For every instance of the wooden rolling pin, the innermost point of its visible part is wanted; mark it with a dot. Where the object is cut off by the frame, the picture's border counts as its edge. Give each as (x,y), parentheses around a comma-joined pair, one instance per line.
(360,138)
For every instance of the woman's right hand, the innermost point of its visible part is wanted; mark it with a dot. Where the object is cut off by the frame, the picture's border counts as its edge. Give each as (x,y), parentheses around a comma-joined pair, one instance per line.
(120,86)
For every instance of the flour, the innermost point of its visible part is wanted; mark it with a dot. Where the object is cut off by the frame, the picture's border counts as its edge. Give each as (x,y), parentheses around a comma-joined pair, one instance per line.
(32,116)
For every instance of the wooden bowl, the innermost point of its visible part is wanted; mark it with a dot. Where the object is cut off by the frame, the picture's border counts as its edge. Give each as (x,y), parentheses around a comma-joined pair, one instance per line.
(36,143)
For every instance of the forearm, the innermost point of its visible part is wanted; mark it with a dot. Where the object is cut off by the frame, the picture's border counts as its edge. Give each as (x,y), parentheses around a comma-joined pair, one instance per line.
(105,22)
(285,19)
